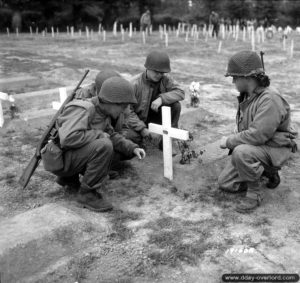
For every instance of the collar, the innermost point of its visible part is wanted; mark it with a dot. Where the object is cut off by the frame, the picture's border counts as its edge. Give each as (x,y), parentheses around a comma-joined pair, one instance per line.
(257,91)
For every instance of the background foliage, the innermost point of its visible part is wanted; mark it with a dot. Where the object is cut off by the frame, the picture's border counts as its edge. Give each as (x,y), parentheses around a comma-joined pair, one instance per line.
(79,13)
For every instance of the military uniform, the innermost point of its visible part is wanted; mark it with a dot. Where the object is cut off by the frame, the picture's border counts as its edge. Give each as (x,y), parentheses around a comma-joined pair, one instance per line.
(265,138)
(146,91)
(89,141)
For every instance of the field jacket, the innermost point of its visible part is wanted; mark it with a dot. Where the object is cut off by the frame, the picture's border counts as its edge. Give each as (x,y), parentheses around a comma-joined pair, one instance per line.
(82,121)
(169,91)
(263,119)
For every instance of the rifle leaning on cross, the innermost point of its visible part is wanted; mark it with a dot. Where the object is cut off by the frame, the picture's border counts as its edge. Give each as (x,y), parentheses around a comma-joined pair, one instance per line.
(35,160)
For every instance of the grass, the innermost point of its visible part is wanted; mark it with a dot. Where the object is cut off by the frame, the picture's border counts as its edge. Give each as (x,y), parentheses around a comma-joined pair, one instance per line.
(174,241)
(80,266)
(120,231)
(261,221)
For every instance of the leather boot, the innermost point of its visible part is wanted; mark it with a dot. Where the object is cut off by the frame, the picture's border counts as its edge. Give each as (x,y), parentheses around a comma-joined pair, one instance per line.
(71,184)
(242,189)
(274,179)
(248,205)
(93,200)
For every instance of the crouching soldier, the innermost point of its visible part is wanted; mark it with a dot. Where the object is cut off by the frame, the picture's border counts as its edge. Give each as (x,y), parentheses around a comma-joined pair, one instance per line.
(89,142)
(265,138)
(153,89)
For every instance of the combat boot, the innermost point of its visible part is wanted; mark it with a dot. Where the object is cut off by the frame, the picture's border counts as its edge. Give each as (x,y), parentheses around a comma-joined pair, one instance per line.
(242,189)
(93,200)
(274,179)
(71,183)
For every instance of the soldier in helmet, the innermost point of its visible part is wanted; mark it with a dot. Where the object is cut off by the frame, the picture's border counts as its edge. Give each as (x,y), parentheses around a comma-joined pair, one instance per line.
(89,141)
(153,89)
(145,22)
(93,89)
(264,140)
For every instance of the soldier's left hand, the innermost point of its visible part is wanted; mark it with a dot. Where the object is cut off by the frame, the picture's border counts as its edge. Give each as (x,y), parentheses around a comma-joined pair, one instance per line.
(140,153)
(156,104)
(223,142)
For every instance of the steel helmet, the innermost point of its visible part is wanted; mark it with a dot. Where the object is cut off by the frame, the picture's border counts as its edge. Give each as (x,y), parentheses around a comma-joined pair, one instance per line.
(158,61)
(245,64)
(117,90)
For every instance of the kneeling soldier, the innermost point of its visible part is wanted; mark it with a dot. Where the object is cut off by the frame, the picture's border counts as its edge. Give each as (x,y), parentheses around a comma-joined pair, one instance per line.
(153,88)
(265,138)
(89,141)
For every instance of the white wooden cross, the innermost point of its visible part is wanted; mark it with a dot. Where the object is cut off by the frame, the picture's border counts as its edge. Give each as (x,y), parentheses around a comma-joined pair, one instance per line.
(4,96)
(63,96)
(168,133)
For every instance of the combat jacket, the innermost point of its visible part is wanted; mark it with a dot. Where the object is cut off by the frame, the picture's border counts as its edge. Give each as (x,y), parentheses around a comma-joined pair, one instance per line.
(169,91)
(82,121)
(263,119)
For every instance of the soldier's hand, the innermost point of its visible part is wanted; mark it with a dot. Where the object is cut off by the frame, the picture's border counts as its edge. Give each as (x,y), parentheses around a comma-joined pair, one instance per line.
(156,104)
(140,153)
(155,138)
(223,142)
(145,133)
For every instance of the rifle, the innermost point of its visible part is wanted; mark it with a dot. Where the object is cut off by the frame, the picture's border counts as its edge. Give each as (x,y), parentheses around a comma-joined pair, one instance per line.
(35,160)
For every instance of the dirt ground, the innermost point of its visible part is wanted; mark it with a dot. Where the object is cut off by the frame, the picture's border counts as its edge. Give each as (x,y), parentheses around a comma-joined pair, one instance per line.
(160,231)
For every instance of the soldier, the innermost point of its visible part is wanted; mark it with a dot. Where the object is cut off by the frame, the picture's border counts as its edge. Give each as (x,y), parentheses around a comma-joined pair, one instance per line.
(265,138)
(145,22)
(89,141)
(215,22)
(153,89)
(93,89)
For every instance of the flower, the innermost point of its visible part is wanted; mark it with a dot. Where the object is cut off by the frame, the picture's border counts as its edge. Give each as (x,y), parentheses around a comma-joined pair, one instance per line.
(194,86)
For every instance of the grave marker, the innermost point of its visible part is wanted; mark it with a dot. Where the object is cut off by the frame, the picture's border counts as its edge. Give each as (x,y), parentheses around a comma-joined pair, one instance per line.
(130,29)
(168,133)
(115,29)
(220,46)
(4,96)
(166,40)
(144,37)
(292,48)
(63,96)
(253,41)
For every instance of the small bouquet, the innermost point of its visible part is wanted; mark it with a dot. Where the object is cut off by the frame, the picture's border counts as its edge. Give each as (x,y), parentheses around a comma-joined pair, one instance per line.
(195,94)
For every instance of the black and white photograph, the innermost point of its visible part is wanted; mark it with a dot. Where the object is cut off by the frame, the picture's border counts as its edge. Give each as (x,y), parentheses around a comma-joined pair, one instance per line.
(146,141)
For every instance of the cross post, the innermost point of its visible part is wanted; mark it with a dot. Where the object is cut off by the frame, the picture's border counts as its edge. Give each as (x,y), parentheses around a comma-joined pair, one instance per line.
(168,133)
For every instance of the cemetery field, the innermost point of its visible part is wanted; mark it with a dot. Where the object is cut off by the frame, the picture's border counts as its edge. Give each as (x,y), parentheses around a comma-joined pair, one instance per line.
(160,231)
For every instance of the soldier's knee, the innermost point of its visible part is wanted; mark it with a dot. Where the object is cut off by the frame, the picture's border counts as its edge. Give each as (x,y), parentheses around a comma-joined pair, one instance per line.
(240,152)
(103,145)
(176,107)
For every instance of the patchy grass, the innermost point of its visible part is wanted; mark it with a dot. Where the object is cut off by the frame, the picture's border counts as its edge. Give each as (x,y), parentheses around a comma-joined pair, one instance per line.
(175,241)
(80,266)
(261,221)
(118,219)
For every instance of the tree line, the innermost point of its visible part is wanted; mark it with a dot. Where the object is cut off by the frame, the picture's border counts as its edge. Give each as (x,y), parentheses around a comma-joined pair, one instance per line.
(81,13)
